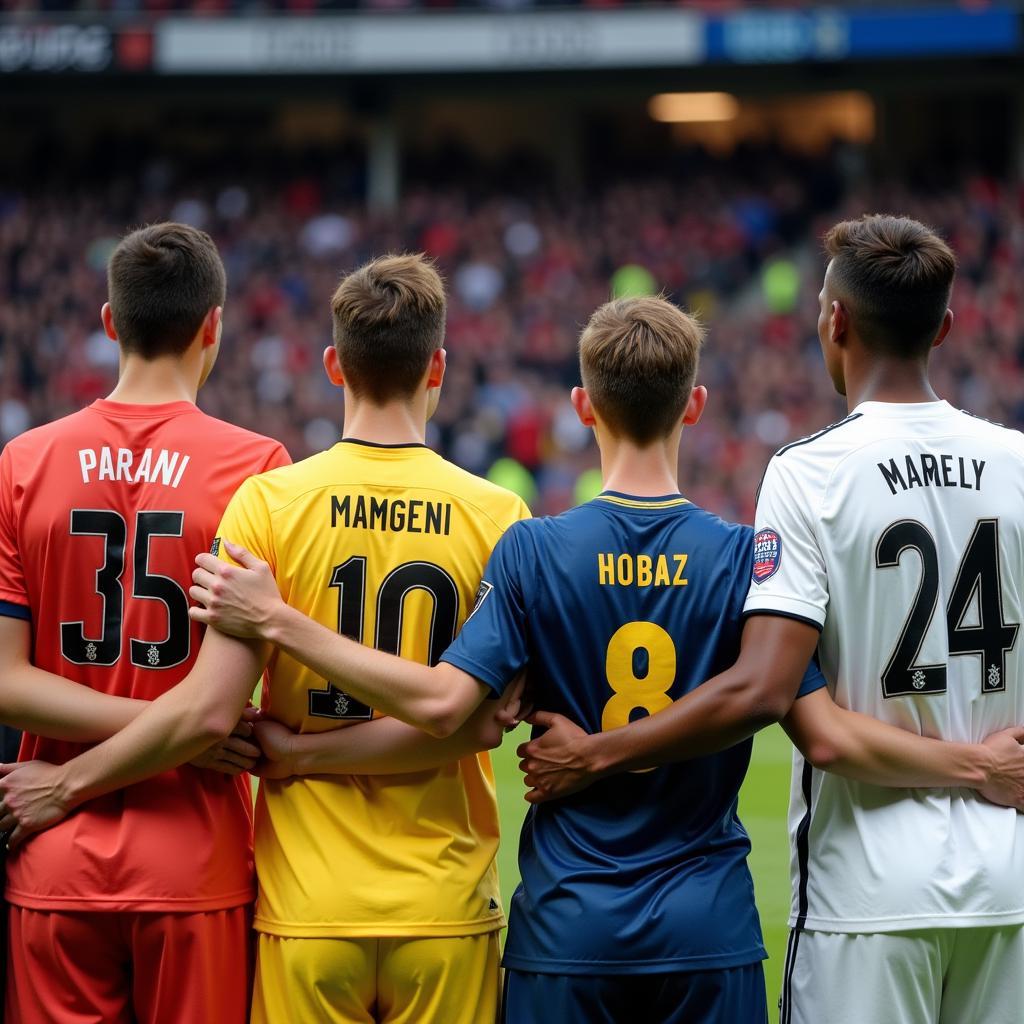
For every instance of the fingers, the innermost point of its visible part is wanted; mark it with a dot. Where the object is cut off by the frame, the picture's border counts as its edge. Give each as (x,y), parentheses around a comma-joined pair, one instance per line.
(243,728)
(235,745)
(507,718)
(197,613)
(228,768)
(545,719)
(211,563)
(6,769)
(252,714)
(241,556)
(537,796)
(17,837)
(205,579)
(7,823)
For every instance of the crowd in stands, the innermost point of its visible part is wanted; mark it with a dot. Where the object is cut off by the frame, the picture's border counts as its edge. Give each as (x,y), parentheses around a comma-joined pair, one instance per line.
(737,240)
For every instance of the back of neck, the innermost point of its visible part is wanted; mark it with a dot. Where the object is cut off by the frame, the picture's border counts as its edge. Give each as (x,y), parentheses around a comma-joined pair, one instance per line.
(392,423)
(154,382)
(890,380)
(648,472)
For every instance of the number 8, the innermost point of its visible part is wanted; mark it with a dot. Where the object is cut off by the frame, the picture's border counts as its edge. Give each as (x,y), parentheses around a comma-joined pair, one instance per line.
(632,691)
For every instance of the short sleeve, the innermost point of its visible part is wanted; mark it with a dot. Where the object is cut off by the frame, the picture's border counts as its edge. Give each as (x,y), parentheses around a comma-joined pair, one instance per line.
(246,521)
(492,644)
(813,680)
(14,602)
(278,457)
(788,575)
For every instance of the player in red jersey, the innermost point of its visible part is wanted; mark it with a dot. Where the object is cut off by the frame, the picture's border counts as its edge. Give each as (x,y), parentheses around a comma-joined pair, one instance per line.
(137,907)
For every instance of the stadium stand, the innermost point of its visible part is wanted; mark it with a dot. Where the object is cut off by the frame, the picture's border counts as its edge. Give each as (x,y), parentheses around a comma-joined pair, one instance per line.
(734,239)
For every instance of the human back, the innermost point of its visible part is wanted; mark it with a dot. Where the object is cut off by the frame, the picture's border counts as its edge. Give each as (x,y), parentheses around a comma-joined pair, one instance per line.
(111,504)
(633,603)
(140,903)
(918,513)
(385,544)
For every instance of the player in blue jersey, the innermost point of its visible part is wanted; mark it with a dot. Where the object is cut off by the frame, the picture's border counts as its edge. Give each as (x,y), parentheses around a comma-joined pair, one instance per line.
(636,904)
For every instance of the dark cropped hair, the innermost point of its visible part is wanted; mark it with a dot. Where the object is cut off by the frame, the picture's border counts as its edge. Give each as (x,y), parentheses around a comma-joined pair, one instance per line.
(389,320)
(162,280)
(894,275)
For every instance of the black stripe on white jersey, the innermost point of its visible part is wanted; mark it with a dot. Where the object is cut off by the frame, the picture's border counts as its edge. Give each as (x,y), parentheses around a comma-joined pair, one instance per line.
(802,858)
(804,440)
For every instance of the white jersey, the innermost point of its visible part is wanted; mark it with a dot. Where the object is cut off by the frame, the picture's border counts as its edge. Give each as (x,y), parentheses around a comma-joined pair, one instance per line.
(899,532)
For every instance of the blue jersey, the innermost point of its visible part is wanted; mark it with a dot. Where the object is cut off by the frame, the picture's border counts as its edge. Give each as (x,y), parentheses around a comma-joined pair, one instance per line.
(619,607)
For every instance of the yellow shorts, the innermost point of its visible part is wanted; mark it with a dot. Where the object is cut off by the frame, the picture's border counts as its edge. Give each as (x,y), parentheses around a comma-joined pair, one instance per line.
(388,981)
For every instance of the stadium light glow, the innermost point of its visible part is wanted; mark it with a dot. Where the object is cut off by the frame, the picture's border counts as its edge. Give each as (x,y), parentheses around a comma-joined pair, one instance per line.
(683,107)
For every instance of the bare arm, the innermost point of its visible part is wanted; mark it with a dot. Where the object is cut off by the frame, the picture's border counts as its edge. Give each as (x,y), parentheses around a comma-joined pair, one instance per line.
(756,691)
(384,746)
(245,602)
(565,759)
(49,705)
(198,712)
(863,748)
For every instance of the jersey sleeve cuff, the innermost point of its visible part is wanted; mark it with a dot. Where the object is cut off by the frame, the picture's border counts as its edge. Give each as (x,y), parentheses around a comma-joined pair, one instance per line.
(14,610)
(489,678)
(786,607)
(811,686)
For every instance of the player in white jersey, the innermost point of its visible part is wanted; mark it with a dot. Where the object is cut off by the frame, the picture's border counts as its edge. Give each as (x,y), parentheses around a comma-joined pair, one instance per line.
(899,534)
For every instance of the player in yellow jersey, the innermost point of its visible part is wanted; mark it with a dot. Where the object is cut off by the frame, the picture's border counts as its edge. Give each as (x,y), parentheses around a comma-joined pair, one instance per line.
(378,892)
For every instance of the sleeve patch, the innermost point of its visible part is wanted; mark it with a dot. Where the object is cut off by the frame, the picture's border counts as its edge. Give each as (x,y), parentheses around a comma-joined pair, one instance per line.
(767,555)
(215,547)
(482,593)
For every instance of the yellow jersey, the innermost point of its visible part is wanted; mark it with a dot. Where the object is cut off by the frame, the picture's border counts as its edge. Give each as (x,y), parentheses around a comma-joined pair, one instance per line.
(386,544)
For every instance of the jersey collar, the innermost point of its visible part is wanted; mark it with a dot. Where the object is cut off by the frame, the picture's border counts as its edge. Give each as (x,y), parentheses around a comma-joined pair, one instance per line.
(375,444)
(898,410)
(636,501)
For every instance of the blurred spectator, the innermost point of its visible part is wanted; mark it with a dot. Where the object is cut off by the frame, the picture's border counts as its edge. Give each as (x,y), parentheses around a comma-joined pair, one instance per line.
(735,240)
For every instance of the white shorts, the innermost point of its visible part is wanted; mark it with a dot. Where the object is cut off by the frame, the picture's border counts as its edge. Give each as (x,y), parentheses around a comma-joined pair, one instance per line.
(937,976)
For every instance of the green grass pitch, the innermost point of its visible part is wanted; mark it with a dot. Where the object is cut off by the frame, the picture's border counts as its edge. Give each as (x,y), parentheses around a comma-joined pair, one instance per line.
(763,811)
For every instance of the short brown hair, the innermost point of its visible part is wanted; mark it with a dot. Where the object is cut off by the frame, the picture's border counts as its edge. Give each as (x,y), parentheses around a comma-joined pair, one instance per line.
(388,321)
(894,275)
(638,360)
(162,280)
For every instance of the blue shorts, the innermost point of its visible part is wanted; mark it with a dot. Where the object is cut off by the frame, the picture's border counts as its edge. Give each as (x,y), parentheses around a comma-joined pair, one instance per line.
(732,996)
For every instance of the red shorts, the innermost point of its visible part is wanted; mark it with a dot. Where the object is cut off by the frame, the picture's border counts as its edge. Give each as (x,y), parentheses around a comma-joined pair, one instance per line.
(122,968)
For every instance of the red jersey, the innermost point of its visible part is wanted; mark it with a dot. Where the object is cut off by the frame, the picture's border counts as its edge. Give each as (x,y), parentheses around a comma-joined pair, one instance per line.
(101,516)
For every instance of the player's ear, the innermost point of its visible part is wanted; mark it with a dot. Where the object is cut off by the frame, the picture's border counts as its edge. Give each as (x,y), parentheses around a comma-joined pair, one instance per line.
(838,323)
(332,364)
(435,371)
(947,326)
(107,317)
(212,326)
(695,406)
(581,403)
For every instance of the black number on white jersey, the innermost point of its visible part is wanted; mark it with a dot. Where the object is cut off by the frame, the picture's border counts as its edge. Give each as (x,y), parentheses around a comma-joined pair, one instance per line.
(992,637)
(977,576)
